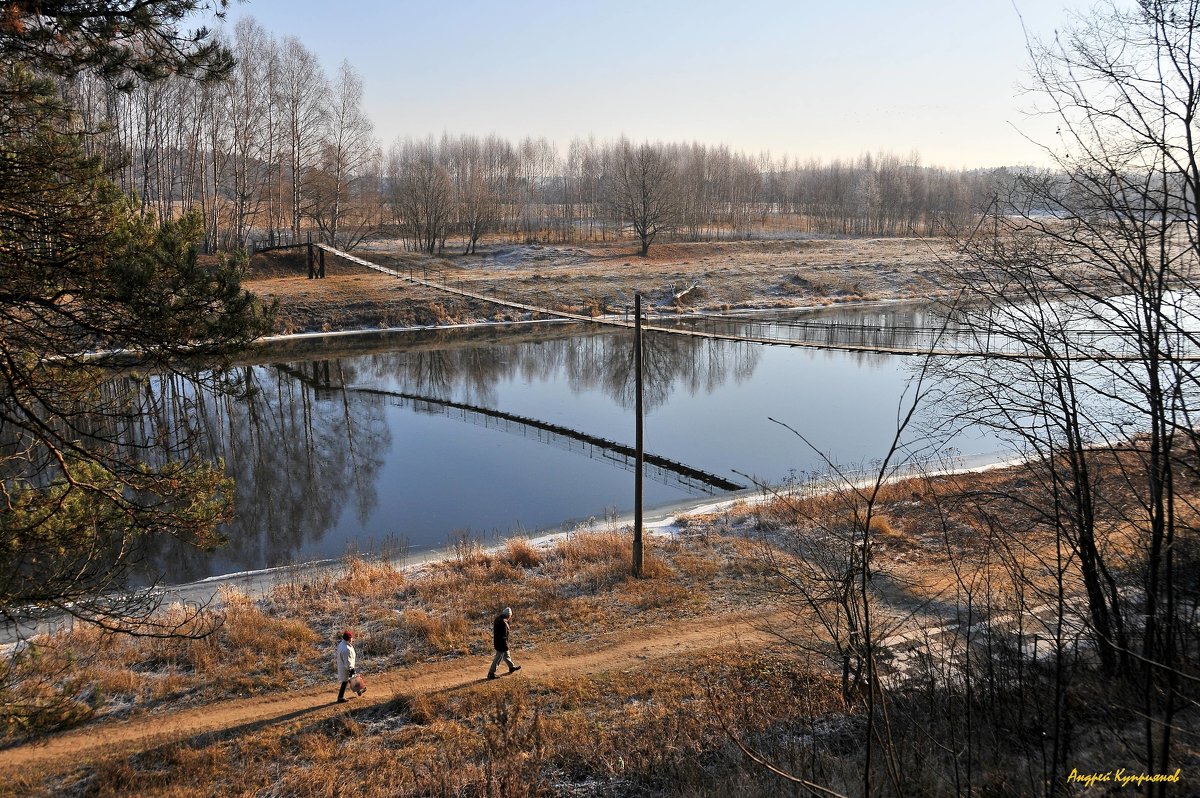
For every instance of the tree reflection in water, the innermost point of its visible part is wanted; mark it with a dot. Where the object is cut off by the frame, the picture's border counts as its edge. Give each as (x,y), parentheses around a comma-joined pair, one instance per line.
(590,362)
(299,447)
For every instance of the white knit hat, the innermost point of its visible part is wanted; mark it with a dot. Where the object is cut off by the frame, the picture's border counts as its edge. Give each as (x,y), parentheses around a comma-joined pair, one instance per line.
(507,612)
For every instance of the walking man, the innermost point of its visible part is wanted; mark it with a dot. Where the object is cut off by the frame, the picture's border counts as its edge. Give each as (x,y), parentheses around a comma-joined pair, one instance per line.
(345,663)
(500,641)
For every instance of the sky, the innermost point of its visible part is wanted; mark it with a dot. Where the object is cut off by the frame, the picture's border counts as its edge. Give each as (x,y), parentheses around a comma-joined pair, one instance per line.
(806,78)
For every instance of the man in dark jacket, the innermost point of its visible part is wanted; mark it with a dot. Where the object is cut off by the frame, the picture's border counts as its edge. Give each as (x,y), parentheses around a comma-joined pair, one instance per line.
(500,641)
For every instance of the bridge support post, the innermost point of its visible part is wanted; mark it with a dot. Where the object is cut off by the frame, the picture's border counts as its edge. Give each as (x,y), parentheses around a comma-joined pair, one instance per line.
(639,451)
(312,270)
(321,268)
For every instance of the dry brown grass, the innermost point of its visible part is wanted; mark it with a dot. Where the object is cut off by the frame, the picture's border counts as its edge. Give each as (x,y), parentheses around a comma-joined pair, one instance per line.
(372,580)
(442,632)
(256,638)
(581,584)
(584,548)
(520,553)
(545,736)
(728,275)
(74,676)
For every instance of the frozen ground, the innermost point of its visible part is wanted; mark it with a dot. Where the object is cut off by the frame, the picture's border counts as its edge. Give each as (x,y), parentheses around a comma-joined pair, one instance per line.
(594,278)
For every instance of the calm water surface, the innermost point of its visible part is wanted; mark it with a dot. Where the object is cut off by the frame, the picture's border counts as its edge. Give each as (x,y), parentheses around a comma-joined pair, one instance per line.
(364,444)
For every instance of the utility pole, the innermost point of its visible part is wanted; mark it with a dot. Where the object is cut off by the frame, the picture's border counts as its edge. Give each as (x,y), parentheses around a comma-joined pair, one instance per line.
(639,458)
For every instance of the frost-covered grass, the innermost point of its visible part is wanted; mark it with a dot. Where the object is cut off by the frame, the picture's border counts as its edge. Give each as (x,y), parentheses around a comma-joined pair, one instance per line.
(599,278)
(562,589)
(957,703)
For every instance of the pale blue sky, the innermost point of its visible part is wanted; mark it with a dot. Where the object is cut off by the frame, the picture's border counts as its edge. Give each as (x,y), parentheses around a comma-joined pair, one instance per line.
(811,79)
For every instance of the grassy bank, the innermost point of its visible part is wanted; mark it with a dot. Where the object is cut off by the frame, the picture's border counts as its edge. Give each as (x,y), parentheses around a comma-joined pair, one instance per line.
(656,686)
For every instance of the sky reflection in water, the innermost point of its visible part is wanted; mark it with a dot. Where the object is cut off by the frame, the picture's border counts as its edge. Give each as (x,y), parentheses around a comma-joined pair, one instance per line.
(328,458)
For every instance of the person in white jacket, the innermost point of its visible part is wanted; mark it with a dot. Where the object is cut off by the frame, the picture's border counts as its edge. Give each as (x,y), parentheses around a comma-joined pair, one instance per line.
(345,663)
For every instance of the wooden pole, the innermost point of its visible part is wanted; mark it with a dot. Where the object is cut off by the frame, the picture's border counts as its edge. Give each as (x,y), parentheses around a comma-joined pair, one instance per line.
(312,271)
(639,456)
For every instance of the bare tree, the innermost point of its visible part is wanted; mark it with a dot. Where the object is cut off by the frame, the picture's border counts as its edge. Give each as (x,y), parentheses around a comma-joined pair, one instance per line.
(247,103)
(1091,262)
(302,96)
(476,189)
(823,566)
(347,154)
(642,190)
(422,192)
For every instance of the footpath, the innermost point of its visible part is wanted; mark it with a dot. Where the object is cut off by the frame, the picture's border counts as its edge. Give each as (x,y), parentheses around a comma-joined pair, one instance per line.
(626,651)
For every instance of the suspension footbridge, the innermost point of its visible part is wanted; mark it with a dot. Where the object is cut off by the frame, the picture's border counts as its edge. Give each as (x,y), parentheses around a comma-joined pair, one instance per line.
(1085,345)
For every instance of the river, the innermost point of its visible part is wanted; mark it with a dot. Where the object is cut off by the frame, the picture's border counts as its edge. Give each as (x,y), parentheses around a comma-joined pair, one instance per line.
(383,443)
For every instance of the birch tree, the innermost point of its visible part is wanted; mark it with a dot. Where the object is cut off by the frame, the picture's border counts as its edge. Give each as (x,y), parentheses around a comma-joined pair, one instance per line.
(302,97)
(422,192)
(348,151)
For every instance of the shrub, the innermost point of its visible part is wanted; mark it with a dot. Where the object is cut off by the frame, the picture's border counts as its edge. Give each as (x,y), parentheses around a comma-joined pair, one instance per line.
(520,552)
(595,547)
(445,633)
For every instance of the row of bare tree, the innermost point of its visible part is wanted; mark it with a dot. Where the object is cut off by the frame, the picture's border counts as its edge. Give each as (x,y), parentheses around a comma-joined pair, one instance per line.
(278,150)
(271,152)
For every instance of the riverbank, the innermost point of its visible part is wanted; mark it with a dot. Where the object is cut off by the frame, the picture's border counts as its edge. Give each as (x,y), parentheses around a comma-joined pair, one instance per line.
(719,645)
(599,278)
(660,522)
(737,258)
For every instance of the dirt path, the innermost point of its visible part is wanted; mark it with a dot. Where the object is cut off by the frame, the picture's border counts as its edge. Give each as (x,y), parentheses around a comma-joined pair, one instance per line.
(625,651)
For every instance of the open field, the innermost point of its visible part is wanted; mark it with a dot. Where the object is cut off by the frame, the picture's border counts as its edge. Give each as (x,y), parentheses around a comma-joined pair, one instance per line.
(601,278)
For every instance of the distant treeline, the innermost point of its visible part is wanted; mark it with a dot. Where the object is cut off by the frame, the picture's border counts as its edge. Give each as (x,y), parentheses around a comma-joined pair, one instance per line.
(280,150)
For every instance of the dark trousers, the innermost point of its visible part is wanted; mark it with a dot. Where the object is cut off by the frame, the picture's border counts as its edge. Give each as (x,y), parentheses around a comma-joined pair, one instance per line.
(501,656)
(342,692)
